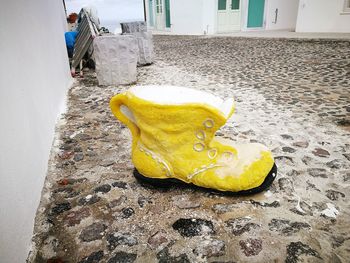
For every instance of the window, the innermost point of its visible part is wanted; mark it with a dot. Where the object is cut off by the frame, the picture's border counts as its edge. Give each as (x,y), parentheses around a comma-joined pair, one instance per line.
(234,4)
(159,6)
(346,6)
(222,5)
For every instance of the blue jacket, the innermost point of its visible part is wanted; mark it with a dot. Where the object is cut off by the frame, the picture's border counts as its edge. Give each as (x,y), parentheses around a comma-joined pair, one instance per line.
(70,39)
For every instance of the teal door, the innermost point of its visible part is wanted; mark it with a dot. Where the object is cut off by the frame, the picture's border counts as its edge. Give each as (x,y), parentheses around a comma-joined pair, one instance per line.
(256,13)
(167,13)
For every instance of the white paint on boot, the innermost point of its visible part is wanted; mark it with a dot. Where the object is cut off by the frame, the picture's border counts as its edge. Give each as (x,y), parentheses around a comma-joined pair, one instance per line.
(246,155)
(173,95)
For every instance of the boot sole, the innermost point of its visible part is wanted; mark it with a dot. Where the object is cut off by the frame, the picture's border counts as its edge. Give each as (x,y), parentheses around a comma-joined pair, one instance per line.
(170,182)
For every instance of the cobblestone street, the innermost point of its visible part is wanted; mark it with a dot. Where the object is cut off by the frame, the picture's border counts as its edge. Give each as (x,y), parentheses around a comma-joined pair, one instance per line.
(291,95)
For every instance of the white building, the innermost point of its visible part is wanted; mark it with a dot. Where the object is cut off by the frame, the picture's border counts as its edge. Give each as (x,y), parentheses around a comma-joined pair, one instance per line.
(34,79)
(199,17)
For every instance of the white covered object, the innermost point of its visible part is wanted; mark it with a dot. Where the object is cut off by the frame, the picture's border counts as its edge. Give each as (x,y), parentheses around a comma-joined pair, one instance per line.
(116,59)
(145,45)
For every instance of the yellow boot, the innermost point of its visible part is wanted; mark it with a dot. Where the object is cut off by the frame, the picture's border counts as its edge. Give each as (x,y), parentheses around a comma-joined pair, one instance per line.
(173,131)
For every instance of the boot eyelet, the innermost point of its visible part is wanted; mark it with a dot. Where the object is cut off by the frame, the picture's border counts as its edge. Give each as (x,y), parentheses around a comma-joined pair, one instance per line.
(228,156)
(209,123)
(200,135)
(198,147)
(212,153)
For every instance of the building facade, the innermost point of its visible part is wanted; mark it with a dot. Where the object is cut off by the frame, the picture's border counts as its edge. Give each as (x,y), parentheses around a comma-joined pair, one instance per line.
(198,17)
(324,16)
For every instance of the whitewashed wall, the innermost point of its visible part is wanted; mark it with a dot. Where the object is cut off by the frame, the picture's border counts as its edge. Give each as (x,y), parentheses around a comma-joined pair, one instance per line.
(209,11)
(287,14)
(322,16)
(186,17)
(34,77)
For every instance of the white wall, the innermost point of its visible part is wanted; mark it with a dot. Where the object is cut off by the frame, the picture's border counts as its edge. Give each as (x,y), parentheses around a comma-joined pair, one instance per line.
(186,17)
(322,16)
(210,9)
(287,14)
(34,77)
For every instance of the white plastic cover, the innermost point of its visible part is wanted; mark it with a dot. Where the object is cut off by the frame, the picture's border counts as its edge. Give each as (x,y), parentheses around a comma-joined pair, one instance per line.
(116,59)
(145,44)
(132,27)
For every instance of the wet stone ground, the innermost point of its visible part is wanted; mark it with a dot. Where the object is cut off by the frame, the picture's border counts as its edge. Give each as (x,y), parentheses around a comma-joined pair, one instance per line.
(293,96)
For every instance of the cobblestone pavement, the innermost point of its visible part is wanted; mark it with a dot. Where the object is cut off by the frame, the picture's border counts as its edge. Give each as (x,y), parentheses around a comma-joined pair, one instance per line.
(291,95)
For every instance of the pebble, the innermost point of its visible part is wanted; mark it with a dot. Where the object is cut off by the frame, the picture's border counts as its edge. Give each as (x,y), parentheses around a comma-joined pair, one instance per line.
(286,185)
(347,156)
(321,152)
(55,260)
(287,227)
(74,217)
(120,184)
(106,163)
(241,225)
(60,208)
(83,137)
(301,144)
(334,195)
(286,159)
(122,257)
(78,149)
(210,248)
(264,204)
(297,249)
(287,149)
(335,164)
(287,137)
(223,208)
(127,212)
(89,200)
(251,246)
(117,202)
(117,239)
(78,157)
(93,257)
(189,227)
(65,155)
(105,188)
(182,202)
(142,201)
(93,232)
(157,239)
(164,256)
(317,172)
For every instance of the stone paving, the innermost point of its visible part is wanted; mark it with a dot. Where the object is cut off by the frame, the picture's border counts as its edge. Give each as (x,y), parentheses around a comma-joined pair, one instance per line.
(292,95)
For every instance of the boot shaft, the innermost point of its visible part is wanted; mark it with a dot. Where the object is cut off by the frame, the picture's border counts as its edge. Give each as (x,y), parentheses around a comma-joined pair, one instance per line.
(171,121)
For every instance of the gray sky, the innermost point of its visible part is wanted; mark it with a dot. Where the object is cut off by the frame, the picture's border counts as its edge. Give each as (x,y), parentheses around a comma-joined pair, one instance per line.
(120,10)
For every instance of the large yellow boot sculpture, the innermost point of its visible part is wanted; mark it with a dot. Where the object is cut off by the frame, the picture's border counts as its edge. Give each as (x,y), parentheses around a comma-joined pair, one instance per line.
(173,138)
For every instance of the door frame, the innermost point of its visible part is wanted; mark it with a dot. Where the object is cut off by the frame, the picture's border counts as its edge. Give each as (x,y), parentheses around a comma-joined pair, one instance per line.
(163,26)
(150,8)
(241,2)
(246,28)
